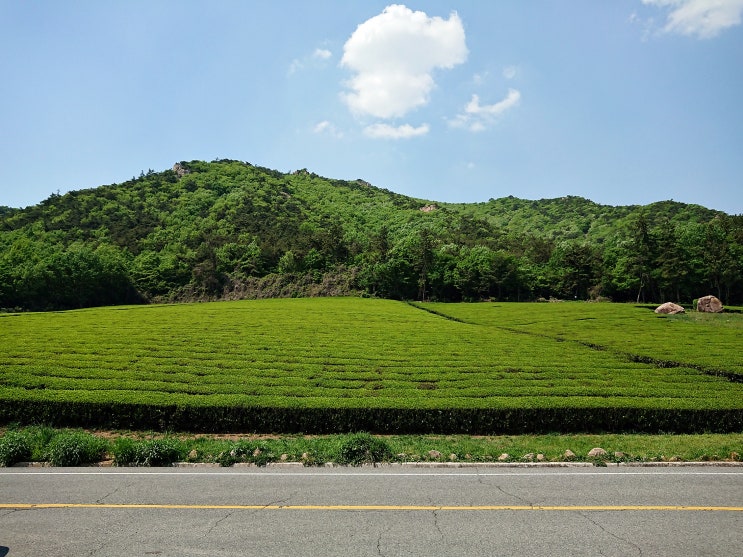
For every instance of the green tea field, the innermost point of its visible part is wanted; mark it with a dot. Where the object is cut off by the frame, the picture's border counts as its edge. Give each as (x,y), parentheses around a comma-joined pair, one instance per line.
(342,364)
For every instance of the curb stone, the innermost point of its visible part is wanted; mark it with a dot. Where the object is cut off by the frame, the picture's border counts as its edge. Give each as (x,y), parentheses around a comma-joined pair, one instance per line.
(722,464)
(449,465)
(706,463)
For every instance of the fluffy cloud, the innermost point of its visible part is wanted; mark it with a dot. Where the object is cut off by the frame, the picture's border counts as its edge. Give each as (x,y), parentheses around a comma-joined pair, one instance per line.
(385,131)
(322,53)
(316,59)
(477,117)
(393,56)
(327,128)
(702,18)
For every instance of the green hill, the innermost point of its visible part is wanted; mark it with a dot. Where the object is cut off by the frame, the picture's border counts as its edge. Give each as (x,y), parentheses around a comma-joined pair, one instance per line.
(575,217)
(229,229)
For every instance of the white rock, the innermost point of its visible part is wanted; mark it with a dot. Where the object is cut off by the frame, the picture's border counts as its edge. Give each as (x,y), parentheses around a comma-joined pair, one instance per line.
(669,308)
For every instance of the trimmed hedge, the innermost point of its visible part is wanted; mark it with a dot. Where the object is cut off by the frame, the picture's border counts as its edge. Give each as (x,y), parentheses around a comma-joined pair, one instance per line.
(224,419)
(346,365)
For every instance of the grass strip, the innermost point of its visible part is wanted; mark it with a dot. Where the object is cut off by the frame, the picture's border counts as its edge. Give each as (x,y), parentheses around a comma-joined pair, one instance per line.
(128,448)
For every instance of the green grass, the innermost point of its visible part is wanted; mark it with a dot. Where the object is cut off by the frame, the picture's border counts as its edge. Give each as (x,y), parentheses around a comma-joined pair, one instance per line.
(139,449)
(367,355)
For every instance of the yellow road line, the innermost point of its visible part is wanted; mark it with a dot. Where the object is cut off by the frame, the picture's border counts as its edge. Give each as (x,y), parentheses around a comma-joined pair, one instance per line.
(21,506)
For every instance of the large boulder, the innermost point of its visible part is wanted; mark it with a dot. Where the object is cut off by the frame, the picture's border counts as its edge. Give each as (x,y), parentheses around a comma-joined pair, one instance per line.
(669,308)
(709,304)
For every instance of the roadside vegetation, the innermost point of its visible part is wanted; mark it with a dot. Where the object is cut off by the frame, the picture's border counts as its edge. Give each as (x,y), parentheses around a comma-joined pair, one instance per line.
(61,447)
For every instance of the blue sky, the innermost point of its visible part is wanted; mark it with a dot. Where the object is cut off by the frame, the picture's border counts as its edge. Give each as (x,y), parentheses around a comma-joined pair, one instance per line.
(621,102)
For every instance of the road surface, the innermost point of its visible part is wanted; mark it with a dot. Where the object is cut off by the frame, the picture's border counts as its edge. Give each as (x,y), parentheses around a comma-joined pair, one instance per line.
(386,511)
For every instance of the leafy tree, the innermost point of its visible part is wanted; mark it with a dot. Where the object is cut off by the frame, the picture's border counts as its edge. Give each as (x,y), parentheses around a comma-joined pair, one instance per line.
(206,228)
(640,257)
(240,259)
(288,263)
(724,257)
(577,267)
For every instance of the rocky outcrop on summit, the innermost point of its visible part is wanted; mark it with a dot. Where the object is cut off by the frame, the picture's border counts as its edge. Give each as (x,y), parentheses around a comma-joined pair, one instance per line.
(180,170)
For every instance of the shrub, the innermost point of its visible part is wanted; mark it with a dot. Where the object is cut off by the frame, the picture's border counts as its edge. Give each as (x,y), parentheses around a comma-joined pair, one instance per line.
(363,448)
(41,436)
(124,452)
(159,452)
(75,448)
(155,452)
(14,447)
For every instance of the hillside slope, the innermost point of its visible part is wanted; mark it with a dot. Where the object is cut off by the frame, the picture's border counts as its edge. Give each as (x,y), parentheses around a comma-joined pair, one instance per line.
(229,229)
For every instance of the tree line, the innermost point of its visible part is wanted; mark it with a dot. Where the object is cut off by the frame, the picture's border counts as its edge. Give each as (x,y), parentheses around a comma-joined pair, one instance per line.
(232,229)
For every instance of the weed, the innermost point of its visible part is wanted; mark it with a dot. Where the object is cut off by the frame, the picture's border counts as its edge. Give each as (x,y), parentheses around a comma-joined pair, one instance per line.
(124,451)
(247,451)
(152,452)
(363,448)
(15,446)
(75,448)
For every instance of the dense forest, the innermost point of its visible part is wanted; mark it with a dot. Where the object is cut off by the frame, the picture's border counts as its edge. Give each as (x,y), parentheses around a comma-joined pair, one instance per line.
(229,229)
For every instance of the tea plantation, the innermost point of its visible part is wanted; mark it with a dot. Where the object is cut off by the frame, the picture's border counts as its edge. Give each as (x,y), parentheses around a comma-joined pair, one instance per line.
(321,365)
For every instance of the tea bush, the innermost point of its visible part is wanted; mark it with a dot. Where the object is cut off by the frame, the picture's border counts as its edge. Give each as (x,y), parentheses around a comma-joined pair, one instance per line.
(348,365)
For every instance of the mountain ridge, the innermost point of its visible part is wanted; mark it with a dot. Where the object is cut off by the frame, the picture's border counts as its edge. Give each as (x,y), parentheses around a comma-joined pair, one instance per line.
(205,230)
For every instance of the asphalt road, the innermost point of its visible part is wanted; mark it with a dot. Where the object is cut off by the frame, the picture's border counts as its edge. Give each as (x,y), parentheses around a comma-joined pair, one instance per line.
(371,511)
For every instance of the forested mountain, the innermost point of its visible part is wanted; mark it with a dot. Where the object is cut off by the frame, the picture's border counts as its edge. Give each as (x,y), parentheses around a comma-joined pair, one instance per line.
(229,229)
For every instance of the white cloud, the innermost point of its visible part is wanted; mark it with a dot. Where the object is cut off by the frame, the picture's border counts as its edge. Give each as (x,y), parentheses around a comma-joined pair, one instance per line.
(478,117)
(386,131)
(315,60)
(327,128)
(646,24)
(702,18)
(393,56)
(474,106)
(294,67)
(510,72)
(322,53)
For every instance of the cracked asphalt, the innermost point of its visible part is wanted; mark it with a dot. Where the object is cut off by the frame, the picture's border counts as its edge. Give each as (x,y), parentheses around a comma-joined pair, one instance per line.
(371,511)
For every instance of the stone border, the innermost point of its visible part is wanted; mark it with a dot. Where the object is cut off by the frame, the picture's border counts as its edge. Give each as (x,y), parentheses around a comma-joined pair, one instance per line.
(430,465)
